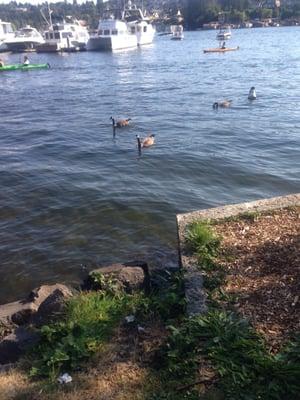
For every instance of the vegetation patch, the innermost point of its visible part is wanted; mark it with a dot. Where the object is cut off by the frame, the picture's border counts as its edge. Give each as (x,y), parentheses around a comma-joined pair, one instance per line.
(162,355)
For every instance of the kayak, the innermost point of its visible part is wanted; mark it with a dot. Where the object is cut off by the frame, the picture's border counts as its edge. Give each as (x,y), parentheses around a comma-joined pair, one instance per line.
(22,67)
(220,50)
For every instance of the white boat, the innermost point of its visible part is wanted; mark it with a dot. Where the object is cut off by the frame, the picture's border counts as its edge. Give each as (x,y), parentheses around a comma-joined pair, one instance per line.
(26,39)
(138,24)
(112,34)
(65,36)
(6,32)
(224,33)
(177,32)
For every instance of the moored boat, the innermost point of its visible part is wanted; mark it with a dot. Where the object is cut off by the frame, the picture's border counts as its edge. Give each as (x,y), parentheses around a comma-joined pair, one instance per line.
(26,39)
(65,36)
(6,32)
(23,67)
(177,32)
(224,33)
(138,24)
(112,34)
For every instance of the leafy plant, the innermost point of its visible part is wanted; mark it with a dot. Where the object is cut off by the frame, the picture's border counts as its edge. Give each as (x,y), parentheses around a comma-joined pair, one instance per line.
(89,322)
(245,368)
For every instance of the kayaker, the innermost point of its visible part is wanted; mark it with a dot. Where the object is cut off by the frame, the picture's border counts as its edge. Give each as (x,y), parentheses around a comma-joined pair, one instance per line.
(1,63)
(26,61)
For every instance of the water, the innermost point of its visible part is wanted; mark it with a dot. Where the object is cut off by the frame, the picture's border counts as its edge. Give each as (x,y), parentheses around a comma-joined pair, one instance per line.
(72,197)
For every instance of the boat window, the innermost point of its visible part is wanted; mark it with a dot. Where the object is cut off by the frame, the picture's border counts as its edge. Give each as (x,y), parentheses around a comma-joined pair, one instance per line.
(145,29)
(114,32)
(47,36)
(133,29)
(51,35)
(100,32)
(57,35)
(106,31)
(66,34)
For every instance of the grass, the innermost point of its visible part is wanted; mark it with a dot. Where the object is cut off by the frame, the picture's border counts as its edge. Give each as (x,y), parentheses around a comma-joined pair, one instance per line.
(243,365)
(89,322)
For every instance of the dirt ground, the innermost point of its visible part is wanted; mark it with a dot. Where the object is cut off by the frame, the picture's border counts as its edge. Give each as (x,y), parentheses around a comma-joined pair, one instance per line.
(261,255)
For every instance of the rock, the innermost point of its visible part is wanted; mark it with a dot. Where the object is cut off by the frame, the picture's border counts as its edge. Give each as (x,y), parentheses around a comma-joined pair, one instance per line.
(21,312)
(16,313)
(52,307)
(15,345)
(129,277)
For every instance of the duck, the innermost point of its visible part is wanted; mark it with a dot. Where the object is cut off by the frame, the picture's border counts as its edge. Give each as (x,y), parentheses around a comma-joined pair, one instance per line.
(222,104)
(120,123)
(147,142)
(252,94)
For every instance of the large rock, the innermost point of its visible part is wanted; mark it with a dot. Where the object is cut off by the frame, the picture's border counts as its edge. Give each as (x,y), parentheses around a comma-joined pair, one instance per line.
(53,306)
(20,312)
(129,277)
(15,345)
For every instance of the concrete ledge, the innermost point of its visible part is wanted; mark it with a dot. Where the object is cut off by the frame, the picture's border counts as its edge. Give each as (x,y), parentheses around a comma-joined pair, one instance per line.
(195,295)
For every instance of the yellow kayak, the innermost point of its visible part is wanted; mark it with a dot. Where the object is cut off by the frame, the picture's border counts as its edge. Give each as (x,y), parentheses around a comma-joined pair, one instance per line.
(220,50)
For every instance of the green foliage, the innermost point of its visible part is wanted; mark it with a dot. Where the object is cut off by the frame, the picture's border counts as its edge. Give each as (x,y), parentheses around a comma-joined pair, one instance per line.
(245,368)
(204,242)
(105,283)
(166,303)
(89,322)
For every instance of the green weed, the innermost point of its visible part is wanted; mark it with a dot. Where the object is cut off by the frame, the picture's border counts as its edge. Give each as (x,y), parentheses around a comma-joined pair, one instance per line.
(245,368)
(89,322)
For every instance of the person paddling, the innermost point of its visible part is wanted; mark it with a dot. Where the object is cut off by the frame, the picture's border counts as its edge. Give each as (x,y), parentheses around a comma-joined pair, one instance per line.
(26,61)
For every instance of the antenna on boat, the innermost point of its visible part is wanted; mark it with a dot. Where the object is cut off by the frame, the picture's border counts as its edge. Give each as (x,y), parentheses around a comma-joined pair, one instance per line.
(49,23)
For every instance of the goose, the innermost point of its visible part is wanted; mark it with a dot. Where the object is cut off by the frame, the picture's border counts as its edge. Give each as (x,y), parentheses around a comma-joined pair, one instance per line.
(222,104)
(120,123)
(147,142)
(252,94)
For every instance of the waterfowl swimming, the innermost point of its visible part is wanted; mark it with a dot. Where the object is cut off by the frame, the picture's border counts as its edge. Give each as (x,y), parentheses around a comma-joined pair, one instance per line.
(222,104)
(120,123)
(147,142)
(252,94)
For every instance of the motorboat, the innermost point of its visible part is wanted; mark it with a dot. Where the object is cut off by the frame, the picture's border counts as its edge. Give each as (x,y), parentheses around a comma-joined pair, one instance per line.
(224,33)
(25,39)
(177,32)
(138,24)
(112,34)
(6,32)
(68,35)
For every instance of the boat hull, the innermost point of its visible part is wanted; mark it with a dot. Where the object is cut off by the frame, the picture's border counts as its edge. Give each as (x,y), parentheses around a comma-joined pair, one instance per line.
(56,48)
(22,67)
(111,43)
(21,47)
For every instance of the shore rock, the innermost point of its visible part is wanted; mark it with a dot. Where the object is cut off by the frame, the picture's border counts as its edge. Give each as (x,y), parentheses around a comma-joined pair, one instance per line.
(128,277)
(53,306)
(20,312)
(15,344)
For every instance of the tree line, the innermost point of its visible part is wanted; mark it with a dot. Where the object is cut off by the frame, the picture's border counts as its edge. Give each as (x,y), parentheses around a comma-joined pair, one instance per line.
(195,12)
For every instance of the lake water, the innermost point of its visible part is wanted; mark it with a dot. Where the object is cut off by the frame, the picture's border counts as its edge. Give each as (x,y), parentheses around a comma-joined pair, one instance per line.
(73,197)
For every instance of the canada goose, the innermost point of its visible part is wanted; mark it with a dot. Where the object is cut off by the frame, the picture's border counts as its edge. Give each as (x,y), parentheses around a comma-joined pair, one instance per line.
(252,94)
(147,142)
(120,123)
(222,104)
